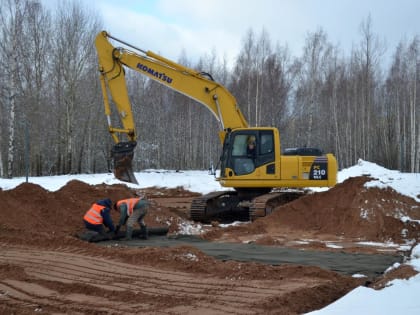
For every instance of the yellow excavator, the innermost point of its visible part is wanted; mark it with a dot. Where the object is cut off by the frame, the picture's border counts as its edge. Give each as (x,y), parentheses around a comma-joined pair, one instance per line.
(251,161)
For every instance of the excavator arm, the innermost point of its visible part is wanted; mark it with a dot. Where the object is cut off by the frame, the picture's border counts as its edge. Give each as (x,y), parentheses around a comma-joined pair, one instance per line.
(196,85)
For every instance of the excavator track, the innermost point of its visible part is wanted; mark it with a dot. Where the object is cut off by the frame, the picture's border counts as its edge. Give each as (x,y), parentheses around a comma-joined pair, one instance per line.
(263,205)
(228,206)
(198,207)
(259,206)
(211,206)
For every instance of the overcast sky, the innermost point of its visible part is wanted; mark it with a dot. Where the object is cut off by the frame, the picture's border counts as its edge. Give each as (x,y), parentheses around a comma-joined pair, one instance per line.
(169,26)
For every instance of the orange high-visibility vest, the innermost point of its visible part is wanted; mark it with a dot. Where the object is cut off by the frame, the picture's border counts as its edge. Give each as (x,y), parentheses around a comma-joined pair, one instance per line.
(130,202)
(93,215)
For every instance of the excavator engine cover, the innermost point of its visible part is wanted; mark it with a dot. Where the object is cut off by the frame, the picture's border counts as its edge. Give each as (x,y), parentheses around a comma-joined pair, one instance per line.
(123,154)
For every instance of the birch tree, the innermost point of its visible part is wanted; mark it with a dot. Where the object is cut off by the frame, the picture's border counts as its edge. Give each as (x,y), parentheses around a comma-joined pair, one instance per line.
(243,81)
(368,56)
(11,24)
(413,59)
(262,53)
(73,59)
(308,104)
(334,93)
(35,70)
(392,125)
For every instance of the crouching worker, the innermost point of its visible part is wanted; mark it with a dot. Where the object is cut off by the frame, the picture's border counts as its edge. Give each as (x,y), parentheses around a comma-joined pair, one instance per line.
(132,210)
(98,216)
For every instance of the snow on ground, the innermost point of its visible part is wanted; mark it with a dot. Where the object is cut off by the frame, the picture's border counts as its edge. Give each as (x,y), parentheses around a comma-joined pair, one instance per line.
(404,183)
(202,182)
(196,181)
(399,297)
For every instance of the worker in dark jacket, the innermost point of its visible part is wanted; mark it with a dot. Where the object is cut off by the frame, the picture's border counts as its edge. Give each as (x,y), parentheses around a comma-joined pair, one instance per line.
(251,148)
(132,210)
(98,216)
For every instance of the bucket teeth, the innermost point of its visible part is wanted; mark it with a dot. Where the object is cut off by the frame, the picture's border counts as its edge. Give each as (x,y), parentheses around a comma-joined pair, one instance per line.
(123,154)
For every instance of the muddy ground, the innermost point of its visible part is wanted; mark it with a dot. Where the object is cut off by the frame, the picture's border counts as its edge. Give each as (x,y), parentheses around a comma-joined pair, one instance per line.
(45,268)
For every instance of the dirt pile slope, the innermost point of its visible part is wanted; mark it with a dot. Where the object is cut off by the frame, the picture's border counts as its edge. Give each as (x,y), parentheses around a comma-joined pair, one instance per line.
(348,213)
(349,210)
(353,211)
(30,208)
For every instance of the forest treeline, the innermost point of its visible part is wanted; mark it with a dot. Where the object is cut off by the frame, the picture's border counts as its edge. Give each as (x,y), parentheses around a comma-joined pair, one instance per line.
(51,107)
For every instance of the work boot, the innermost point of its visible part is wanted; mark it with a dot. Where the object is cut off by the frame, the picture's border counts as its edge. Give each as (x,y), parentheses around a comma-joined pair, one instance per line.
(144,232)
(128,234)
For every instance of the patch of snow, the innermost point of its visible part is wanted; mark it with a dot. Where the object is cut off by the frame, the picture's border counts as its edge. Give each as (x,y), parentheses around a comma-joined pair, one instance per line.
(333,245)
(364,214)
(187,228)
(393,267)
(235,223)
(386,244)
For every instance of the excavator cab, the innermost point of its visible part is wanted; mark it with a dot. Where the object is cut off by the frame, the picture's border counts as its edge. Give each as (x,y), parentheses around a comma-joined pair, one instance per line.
(266,167)
(247,149)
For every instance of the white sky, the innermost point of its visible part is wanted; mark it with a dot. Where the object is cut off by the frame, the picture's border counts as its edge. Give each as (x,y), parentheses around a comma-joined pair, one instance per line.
(169,26)
(400,297)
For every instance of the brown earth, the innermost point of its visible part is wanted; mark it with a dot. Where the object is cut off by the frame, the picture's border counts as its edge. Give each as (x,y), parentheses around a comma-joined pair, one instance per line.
(45,268)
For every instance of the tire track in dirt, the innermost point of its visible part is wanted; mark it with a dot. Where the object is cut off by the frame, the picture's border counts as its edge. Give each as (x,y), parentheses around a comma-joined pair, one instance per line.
(153,282)
(109,286)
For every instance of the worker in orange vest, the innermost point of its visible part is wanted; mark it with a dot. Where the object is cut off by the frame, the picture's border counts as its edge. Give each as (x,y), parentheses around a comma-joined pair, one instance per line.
(98,216)
(132,210)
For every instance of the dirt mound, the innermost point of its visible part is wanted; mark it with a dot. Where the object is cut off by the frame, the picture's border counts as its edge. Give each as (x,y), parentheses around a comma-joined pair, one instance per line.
(29,208)
(349,212)
(353,211)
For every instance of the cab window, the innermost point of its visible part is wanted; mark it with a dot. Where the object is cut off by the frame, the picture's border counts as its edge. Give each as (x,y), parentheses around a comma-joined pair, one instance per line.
(239,145)
(266,143)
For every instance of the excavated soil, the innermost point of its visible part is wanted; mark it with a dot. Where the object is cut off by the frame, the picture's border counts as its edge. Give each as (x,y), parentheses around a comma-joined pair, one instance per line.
(45,268)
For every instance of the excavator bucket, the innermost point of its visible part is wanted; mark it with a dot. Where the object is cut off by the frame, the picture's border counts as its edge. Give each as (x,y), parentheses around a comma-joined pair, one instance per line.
(123,154)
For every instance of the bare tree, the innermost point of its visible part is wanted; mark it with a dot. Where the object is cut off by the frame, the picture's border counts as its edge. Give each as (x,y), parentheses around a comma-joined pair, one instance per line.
(368,57)
(309,87)
(243,82)
(34,64)
(279,79)
(400,126)
(395,87)
(333,96)
(262,53)
(11,23)
(413,59)
(73,57)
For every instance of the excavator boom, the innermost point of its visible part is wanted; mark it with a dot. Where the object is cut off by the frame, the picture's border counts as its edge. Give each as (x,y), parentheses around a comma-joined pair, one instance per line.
(196,85)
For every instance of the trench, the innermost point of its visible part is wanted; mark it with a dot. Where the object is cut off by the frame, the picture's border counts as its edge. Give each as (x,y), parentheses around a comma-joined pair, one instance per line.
(370,265)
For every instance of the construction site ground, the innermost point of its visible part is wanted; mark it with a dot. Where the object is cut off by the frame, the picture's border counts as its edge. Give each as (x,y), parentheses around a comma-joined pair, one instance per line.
(45,268)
